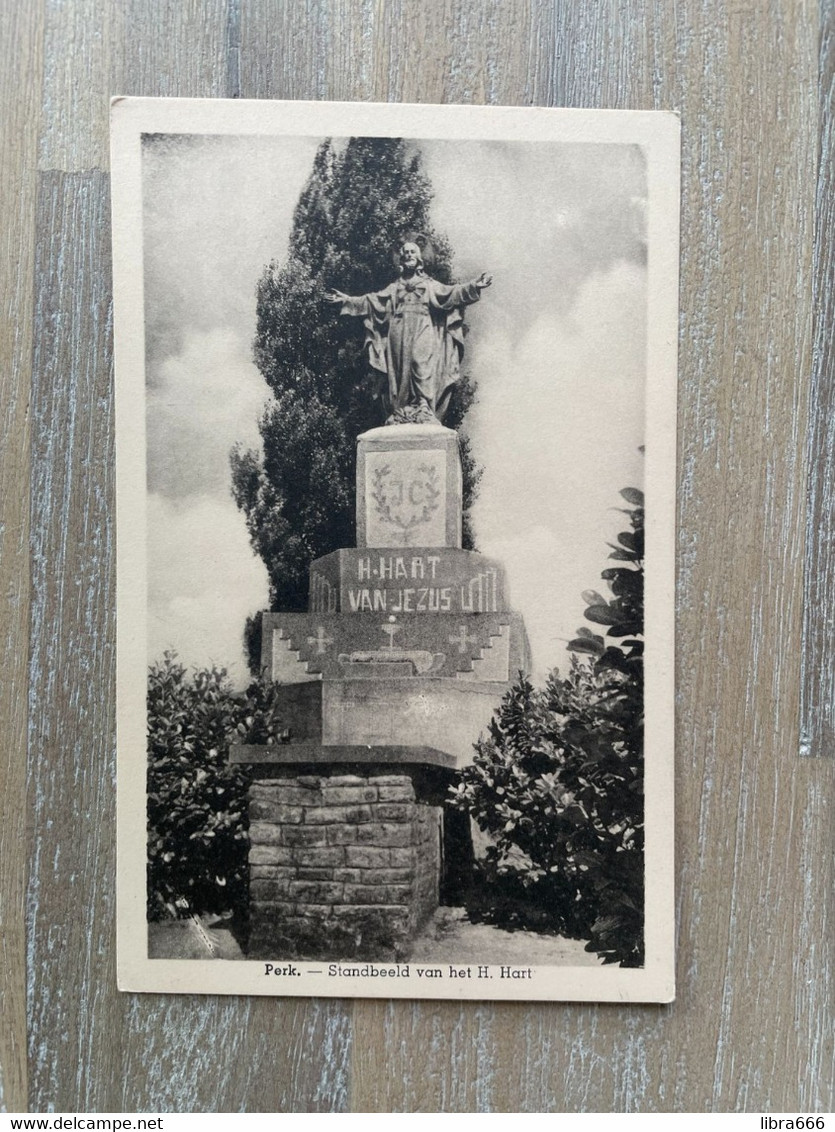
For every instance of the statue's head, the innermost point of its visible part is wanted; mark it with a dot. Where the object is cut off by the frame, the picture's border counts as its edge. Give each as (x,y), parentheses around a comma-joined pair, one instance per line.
(411,257)
(412,253)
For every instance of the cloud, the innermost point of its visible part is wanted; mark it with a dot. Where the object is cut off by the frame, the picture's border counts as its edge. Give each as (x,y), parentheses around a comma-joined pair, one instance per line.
(542,218)
(203,582)
(216,210)
(558,427)
(203,401)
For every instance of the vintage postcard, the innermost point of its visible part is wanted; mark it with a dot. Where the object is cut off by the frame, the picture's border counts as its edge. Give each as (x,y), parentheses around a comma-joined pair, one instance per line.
(396,394)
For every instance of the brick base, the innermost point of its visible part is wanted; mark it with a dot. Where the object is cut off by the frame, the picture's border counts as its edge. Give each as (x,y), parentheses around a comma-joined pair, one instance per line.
(341,865)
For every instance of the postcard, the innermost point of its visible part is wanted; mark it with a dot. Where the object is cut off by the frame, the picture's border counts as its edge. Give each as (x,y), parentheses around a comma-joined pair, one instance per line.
(396,420)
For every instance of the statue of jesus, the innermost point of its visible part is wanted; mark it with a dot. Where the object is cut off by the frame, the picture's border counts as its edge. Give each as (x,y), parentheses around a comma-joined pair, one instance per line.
(414,334)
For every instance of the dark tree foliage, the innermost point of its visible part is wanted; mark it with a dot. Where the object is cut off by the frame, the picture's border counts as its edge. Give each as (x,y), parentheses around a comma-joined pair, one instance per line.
(197,827)
(359,202)
(558,784)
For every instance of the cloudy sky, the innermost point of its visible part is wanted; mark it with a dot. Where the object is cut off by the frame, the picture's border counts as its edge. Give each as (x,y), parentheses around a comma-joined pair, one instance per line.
(557,345)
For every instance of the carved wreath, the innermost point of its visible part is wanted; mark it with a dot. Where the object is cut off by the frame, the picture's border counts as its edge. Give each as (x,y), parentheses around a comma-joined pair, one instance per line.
(398,519)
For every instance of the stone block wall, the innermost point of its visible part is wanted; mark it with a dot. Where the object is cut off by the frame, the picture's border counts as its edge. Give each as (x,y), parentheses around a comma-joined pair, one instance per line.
(341,865)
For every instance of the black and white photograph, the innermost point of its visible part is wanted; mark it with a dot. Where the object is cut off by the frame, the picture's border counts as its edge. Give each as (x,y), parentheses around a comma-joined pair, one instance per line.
(395,397)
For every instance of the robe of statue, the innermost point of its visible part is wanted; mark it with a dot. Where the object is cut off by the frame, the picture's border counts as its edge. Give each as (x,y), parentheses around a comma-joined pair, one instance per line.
(414,334)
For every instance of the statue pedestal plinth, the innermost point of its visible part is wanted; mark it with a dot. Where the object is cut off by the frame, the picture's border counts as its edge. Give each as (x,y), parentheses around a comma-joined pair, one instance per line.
(409,487)
(368,682)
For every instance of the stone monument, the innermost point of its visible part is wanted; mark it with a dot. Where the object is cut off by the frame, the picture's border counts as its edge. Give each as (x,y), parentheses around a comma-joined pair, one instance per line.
(408,646)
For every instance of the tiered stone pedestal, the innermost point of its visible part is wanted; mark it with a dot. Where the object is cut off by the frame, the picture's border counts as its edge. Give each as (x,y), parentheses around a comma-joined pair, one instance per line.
(385,683)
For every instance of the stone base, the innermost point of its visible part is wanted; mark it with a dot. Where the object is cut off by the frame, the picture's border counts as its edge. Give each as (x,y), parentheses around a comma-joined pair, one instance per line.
(371,717)
(341,865)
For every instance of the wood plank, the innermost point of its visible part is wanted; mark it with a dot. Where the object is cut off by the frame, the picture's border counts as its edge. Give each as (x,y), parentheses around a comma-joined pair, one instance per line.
(212,1054)
(400,51)
(21,29)
(73,1055)
(748,165)
(78,66)
(175,50)
(817,720)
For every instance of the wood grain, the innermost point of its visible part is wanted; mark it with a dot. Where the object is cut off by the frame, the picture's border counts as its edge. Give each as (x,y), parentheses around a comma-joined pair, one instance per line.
(751,1029)
(79,41)
(21,34)
(817,721)
(72,1009)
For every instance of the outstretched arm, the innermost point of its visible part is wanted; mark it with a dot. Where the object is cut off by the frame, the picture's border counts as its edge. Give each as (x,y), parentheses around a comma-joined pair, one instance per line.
(360,306)
(356,305)
(448,298)
(335,297)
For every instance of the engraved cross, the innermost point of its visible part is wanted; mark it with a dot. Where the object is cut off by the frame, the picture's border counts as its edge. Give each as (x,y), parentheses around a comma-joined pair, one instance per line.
(391,630)
(321,640)
(462,640)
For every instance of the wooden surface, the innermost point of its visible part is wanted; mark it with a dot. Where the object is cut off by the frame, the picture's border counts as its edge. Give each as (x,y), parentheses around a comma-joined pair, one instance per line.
(752,1027)
(817,704)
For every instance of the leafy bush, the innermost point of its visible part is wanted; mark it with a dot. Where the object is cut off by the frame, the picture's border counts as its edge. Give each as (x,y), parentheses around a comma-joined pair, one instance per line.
(197,828)
(558,784)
